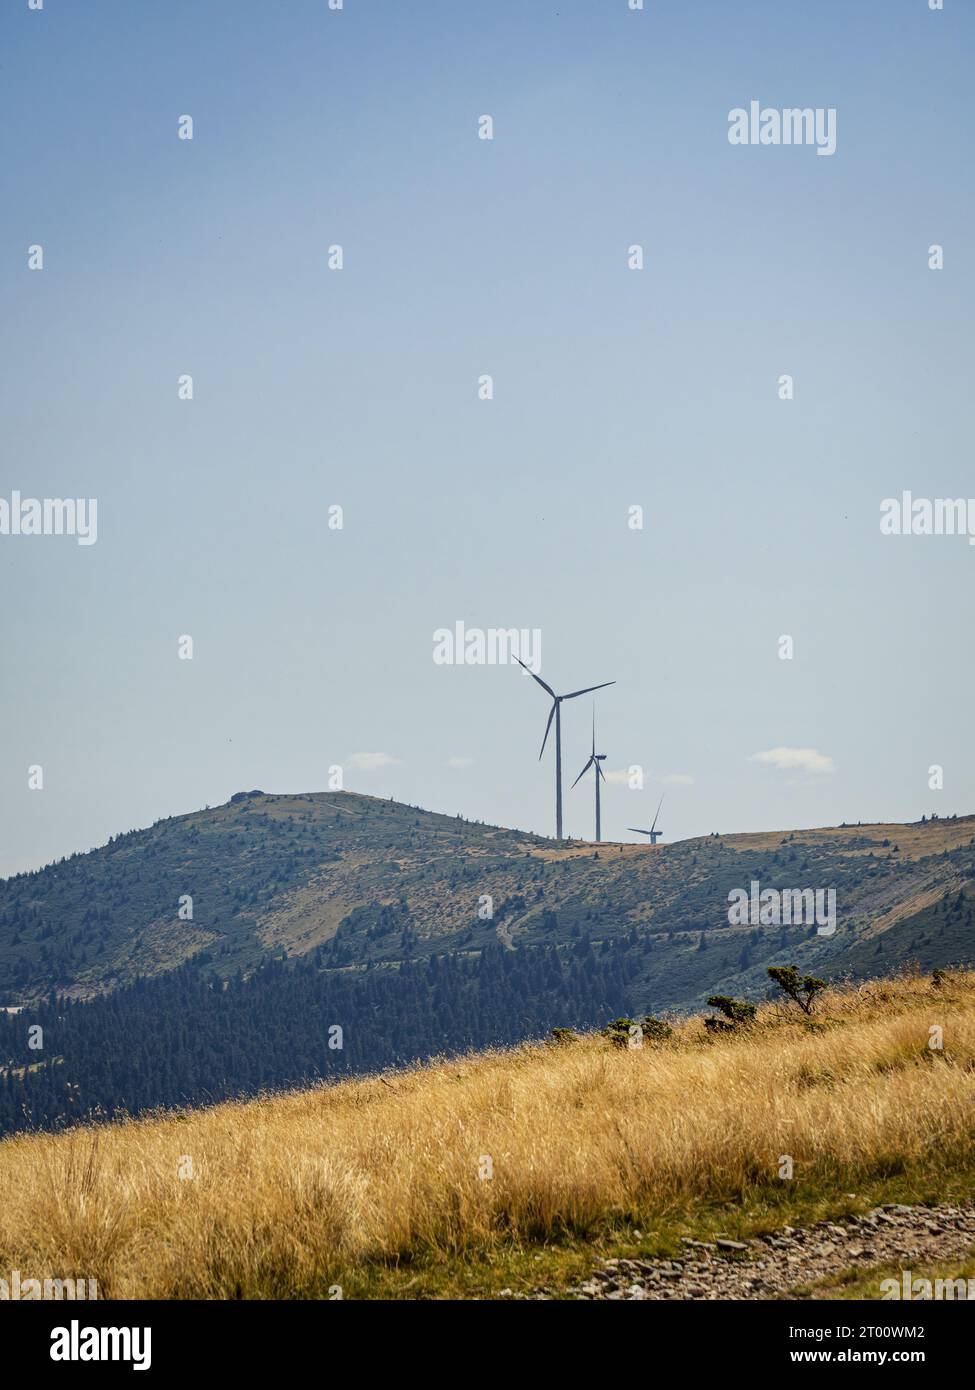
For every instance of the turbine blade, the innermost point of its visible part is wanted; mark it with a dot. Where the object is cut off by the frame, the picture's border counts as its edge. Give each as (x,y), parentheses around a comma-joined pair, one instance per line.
(536,678)
(600,771)
(551,716)
(583,772)
(637,831)
(574,693)
(659,804)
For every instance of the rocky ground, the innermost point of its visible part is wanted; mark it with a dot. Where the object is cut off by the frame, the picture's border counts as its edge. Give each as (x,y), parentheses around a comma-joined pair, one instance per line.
(787,1262)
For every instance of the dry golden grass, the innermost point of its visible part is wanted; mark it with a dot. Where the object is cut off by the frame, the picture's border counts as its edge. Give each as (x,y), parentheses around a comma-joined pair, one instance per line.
(294,1193)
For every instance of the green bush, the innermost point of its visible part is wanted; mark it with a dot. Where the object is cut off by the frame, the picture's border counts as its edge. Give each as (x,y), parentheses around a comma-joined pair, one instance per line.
(737,1012)
(655,1029)
(618,1032)
(802,989)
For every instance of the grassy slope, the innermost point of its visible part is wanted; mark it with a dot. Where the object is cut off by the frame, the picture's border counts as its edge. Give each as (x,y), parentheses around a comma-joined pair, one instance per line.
(374,1185)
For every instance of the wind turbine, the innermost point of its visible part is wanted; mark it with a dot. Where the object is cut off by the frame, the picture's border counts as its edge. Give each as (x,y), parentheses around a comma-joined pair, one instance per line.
(556,713)
(653,832)
(594,760)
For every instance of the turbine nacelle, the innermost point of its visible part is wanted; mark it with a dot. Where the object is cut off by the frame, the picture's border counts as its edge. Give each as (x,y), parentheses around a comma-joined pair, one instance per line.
(653,832)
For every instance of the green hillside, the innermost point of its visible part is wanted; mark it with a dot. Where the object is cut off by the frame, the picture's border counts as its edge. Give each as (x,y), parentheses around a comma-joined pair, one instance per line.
(362,882)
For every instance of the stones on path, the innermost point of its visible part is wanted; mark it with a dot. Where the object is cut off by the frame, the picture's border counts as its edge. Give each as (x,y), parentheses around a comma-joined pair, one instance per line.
(785,1262)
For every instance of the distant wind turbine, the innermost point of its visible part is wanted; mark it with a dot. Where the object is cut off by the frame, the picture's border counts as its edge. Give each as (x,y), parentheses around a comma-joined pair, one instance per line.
(594,760)
(653,832)
(556,713)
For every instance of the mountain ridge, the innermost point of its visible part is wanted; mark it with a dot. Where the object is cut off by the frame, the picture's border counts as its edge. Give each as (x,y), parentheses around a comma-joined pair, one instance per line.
(374,882)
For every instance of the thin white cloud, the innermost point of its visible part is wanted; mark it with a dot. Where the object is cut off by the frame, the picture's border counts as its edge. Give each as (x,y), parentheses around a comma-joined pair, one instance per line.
(788,759)
(669,779)
(457,761)
(371,762)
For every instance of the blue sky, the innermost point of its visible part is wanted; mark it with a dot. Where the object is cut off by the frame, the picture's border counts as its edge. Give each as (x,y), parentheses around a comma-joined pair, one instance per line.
(612,388)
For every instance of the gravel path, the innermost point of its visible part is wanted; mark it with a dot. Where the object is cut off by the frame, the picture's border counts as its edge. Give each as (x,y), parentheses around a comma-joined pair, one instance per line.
(775,1266)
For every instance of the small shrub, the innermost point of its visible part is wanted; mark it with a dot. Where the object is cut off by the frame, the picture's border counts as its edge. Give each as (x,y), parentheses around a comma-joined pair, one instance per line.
(618,1032)
(655,1029)
(802,989)
(736,1013)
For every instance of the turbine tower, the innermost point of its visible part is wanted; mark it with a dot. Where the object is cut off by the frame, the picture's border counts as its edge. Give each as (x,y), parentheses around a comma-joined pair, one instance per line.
(653,832)
(556,713)
(594,760)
